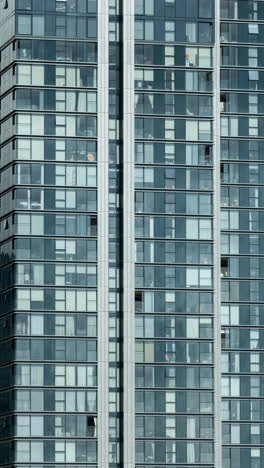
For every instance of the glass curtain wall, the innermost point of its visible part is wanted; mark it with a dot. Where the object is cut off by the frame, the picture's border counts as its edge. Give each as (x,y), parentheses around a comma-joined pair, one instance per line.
(174,236)
(115,233)
(48,324)
(242,145)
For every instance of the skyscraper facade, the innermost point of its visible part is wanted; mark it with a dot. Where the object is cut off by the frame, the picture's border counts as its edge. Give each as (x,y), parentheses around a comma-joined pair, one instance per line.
(131,244)
(241,173)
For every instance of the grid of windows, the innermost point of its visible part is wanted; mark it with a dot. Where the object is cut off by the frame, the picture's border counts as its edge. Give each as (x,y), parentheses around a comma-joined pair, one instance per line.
(173,209)
(48,242)
(48,233)
(241,251)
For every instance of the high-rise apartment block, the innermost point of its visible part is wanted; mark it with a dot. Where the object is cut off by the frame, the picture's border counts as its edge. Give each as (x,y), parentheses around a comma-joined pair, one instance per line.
(132,233)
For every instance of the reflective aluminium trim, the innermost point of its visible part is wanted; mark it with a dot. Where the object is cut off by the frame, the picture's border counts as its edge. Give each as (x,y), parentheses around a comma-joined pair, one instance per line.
(102,300)
(217,242)
(128,236)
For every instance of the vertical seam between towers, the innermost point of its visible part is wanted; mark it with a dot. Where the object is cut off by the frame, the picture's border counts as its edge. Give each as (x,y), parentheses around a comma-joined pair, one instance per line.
(102,183)
(128,237)
(217,243)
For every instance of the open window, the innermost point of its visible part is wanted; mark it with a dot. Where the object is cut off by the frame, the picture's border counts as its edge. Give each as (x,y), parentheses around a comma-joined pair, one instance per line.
(91,426)
(224,267)
(138,301)
(223,102)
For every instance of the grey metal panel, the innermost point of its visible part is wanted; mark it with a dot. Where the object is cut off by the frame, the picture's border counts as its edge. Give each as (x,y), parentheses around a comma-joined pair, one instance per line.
(128,243)
(217,242)
(102,151)
(7,21)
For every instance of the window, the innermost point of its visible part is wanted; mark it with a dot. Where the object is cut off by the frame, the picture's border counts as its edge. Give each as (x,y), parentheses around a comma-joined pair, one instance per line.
(144,30)
(144,78)
(255,434)
(144,352)
(253,29)
(27,124)
(253,10)
(37,426)
(37,325)
(24,4)
(205,130)
(252,57)
(254,339)
(169,104)
(253,127)
(198,277)
(144,177)
(170,402)
(144,153)
(170,129)
(113,32)
(23,426)
(230,386)
(24,24)
(170,80)
(205,57)
(37,375)
(191,32)
(144,7)
(205,8)
(198,229)
(169,31)
(229,126)
(170,452)
(253,104)
(59,451)
(192,328)
(198,57)
(255,386)
(253,78)
(198,130)
(38,28)
(60,376)
(255,410)
(24,74)
(191,57)
(169,55)
(255,457)
(254,362)
(22,451)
